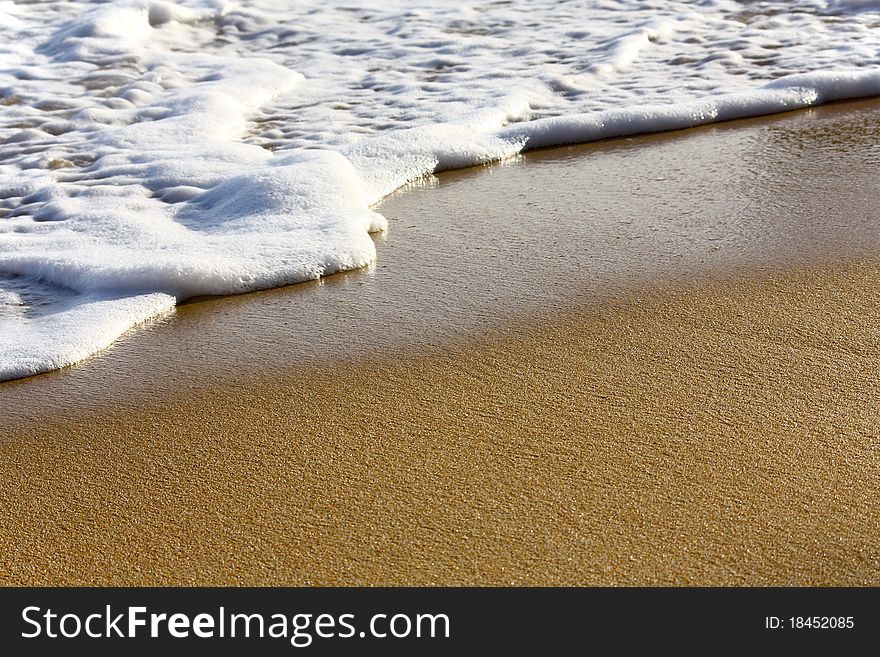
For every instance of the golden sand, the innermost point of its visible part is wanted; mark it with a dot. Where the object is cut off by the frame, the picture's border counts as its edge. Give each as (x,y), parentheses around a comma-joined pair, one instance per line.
(723,434)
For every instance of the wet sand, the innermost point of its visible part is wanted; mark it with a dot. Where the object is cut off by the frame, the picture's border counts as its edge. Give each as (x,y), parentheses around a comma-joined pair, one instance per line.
(648,361)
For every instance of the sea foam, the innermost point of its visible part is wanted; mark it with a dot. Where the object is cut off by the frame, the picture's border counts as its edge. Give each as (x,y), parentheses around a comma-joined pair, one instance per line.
(155,151)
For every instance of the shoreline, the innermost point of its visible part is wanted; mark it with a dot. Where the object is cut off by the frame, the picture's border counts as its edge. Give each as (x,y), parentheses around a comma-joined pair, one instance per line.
(845,103)
(562,370)
(508,251)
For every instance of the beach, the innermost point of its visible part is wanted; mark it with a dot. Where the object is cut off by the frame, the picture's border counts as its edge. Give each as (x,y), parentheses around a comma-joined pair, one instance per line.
(645,361)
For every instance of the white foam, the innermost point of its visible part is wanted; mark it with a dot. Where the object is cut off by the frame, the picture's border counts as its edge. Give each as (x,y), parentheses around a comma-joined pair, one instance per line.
(154,150)
(782,95)
(83,326)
